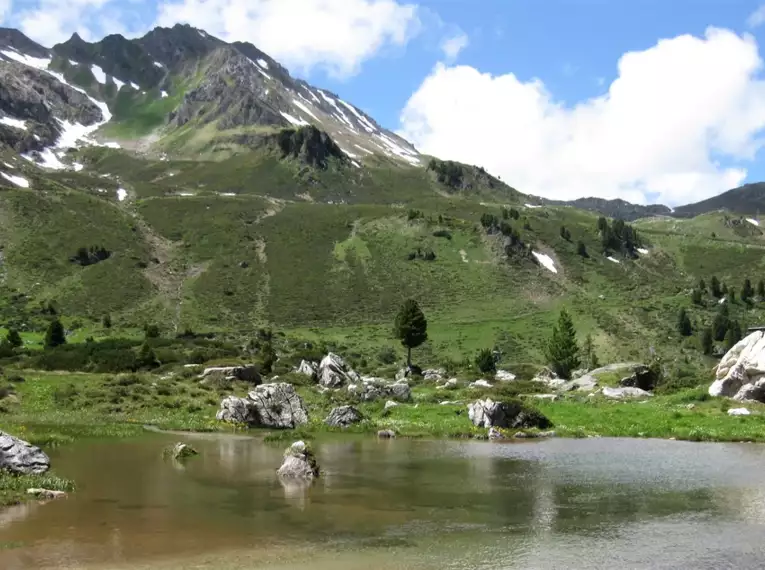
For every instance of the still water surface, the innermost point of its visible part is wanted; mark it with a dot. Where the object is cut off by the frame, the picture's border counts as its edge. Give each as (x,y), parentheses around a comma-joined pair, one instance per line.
(381,505)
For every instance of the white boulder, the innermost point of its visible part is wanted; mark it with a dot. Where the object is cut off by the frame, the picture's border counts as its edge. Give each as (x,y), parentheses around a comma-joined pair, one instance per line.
(307,368)
(739,412)
(743,364)
(504,376)
(334,372)
(624,393)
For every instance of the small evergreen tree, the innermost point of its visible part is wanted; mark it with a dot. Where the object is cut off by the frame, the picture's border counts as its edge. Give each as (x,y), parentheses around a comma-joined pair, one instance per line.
(565,234)
(410,327)
(684,323)
(747,291)
(581,249)
(151,331)
(588,351)
(696,297)
(13,338)
(702,286)
(715,287)
(731,295)
(562,350)
(106,321)
(721,323)
(55,335)
(707,341)
(146,356)
(761,289)
(734,335)
(484,361)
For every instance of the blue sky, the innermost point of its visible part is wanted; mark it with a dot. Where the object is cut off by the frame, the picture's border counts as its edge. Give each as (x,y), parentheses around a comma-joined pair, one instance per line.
(532,95)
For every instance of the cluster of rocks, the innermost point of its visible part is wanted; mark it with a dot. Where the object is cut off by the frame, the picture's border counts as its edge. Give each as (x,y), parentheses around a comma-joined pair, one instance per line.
(513,415)
(245,373)
(741,372)
(274,405)
(638,381)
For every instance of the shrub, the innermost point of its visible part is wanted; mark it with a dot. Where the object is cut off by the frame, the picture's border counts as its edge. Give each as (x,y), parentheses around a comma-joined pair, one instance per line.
(387,355)
(484,361)
(442,234)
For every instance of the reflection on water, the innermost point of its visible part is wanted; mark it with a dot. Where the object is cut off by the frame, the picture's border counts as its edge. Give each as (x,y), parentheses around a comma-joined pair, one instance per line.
(604,503)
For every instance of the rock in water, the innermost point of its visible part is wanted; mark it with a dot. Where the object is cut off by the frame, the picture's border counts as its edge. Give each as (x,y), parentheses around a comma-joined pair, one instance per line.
(21,457)
(334,372)
(278,406)
(46,494)
(386,434)
(269,405)
(343,416)
(487,414)
(743,364)
(299,463)
(182,451)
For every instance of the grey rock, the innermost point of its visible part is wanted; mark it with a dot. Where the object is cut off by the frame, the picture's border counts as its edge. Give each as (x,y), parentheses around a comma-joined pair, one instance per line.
(309,369)
(334,372)
(495,434)
(278,406)
(246,373)
(487,413)
(578,373)
(400,391)
(434,374)
(504,376)
(450,403)
(586,383)
(343,416)
(624,393)
(237,410)
(739,412)
(550,397)
(46,494)
(182,451)
(386,434)
(642,377)
(751,392)
(479,384)
(450,384)
(299,463)
(390,404)
(21,457)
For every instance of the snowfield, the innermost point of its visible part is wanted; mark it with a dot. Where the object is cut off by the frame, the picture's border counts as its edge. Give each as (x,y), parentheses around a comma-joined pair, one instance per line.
(17,180)
(546,261)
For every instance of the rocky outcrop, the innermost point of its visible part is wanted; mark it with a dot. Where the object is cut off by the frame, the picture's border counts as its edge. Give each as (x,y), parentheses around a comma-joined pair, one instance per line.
(246,373)
(269,405)
(335,373)
(625,393)
(299,463)
(370,389)
(751,392)
(434,374)
(21,457)
(343,416)
(504,376)
(641,377)
(488,413)
(743,365)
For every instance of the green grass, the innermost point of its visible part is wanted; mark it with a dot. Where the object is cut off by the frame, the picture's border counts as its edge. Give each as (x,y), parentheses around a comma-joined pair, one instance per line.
(13,488)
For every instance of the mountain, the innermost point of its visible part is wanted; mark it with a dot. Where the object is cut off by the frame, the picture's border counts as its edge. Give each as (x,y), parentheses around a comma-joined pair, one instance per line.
(617,208)
(745,200)
(180,180)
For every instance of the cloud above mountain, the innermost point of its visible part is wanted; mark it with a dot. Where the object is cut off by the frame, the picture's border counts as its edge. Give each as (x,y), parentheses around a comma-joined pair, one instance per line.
(677,124)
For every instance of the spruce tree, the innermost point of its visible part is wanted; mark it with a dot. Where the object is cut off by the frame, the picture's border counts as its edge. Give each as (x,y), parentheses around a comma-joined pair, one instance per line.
(562,351)
(707,341)
(106,321)
(734,335)
(581,249)
(702,286)
(747,291)
(410,327)
(721,323)
(715,288)
(588,352)
(684,323)
(55,335)
(696,297)
(761,290)
(146,356)
(13,338)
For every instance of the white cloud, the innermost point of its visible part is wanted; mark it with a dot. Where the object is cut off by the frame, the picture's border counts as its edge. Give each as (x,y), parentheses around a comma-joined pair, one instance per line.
(756,18)
(671,114)
(452,46)
(5,9)
(54,21)
(336,35)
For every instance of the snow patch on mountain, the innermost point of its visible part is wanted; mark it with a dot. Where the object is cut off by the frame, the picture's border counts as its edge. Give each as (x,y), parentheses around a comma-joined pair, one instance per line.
(305,109)
(293,120)
(163,94)
(546,261)
(17,180)
(609,258)
(157,64)
(15,123)
(263,63)
(362,119)
(135,86)
(753,222)
(118,83)
(98,73)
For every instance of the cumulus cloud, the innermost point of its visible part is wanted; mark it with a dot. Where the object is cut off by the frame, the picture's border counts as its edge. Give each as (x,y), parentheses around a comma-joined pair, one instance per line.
(756,18)
(452,46)
(671,115)
(5,9)
(336,35)
(54,21)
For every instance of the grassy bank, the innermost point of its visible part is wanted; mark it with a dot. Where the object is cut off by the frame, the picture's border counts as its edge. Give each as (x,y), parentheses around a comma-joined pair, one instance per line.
(50,409)
(13,488)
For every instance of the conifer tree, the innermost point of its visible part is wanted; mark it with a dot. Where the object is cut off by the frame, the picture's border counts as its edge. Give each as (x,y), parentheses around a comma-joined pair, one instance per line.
(55,335)
(562,350)
(411,327)
(684,323)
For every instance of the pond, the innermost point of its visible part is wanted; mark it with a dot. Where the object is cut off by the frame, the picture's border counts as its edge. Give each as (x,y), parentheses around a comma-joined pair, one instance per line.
(399,504)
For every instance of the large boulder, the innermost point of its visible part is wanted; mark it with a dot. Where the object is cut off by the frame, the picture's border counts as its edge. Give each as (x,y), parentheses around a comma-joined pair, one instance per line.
(409,371)
(641,377)
(21,457)
(751,392)
(743,364)
(299,463)
(504,376)
(245,373)
(488,413)
(334,372)
(343,416)
(269,405)
(370,389)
